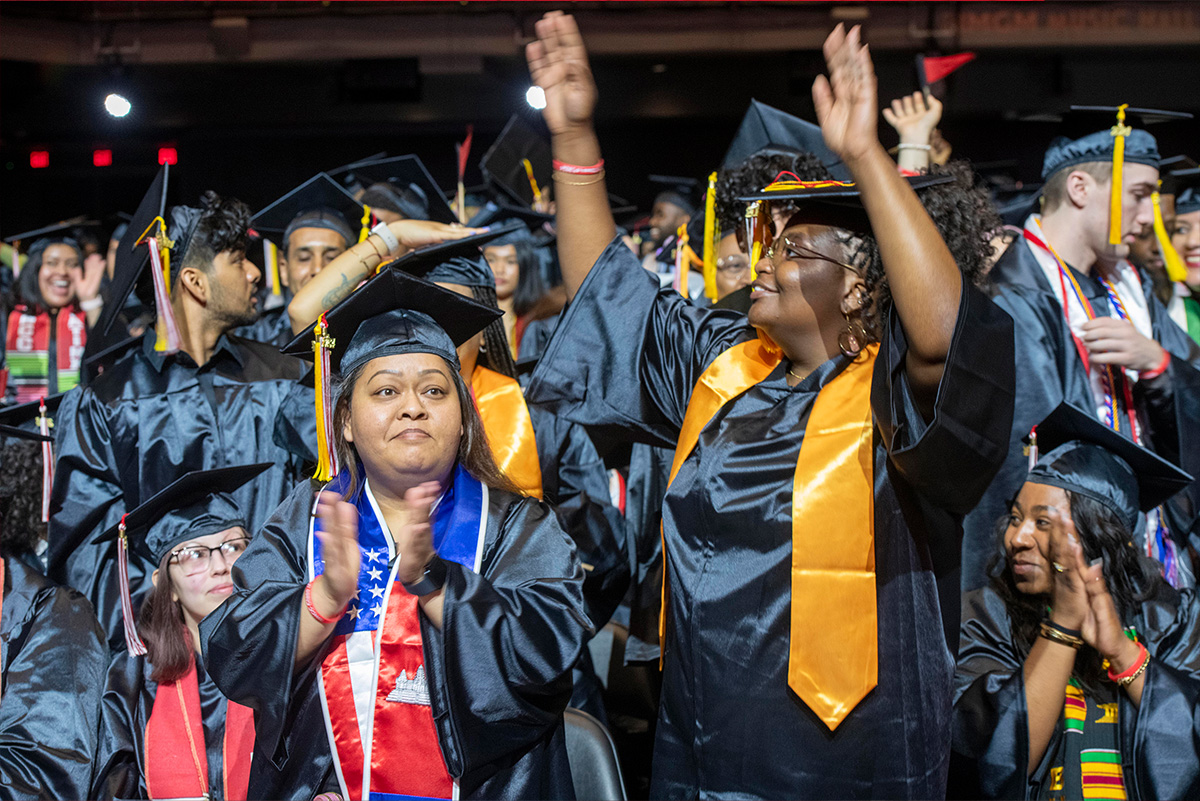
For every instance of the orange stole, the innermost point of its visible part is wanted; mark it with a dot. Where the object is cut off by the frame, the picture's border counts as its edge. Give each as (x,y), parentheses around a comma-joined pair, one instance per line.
(508,427)
(833,659)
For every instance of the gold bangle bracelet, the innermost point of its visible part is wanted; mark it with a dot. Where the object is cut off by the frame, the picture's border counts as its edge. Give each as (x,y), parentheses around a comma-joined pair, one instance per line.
(557,177)
(1054,635)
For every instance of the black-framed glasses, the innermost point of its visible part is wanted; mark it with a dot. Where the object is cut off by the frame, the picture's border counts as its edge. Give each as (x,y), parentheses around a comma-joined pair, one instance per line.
(196,558)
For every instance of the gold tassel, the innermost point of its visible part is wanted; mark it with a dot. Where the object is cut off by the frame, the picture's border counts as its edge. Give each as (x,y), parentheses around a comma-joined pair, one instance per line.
(537,193)
(711,237)
(326,458)
(1176,271)
(682,263)
(366,224)
(1119,132)
(271,255)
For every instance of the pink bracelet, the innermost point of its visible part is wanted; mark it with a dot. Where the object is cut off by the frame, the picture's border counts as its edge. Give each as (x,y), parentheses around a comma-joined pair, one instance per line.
(312,608)
(1157,371)
(575,169)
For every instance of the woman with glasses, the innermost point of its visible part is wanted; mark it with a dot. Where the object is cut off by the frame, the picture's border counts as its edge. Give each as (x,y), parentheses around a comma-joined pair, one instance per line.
(166,730)
(822,451)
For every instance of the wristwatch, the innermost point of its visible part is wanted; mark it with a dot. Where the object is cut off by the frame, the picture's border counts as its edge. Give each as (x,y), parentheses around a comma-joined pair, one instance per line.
(431,581)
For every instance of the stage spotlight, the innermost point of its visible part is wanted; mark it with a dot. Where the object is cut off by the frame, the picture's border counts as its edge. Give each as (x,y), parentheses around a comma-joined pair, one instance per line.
(536,97)
(116,105)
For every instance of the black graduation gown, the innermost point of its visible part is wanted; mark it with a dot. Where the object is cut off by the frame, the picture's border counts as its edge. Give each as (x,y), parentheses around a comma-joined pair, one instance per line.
(125,710)
(272,327)
(499,722)
(1159,740)
(1050,371)
(625,358)
(145,422)
(51,676)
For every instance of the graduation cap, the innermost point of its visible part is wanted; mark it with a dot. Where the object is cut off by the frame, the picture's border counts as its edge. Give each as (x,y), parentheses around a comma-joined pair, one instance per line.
(392,313)
(1091,133)
(1186,184)
(423,262)
(33,421)
(319,202)
(1073,450)
(408,187)
(518,164)
(767,128)
(61,228)
(678,191)
(195,505)
(97,363)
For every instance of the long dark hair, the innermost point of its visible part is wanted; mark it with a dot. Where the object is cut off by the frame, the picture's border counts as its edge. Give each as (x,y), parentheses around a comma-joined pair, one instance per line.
(495,351)
(161,626)
(530,286)
(28,291)
(1131,578)
(474,454)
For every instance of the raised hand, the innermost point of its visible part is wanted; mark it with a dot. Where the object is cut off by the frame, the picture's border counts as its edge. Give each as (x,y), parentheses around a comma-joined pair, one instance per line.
(339,550)
(1104,630)
(1069,603)
(87,282)
(558,63)
(414,539)
(846,101)
(419,233)
(914,117)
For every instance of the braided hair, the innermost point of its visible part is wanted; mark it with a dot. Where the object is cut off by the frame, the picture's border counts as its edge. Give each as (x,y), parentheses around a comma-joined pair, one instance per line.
(495,352)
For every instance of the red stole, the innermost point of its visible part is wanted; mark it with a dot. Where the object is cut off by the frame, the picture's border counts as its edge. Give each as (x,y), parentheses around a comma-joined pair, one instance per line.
(176,762)
(27,346)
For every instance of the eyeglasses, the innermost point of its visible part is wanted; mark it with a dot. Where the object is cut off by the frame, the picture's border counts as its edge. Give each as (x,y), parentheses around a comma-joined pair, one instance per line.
(785,249)
(195,559)
(733,265)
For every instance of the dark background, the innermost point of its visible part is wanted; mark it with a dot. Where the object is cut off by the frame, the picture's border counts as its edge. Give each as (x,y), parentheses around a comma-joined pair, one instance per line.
(253,113)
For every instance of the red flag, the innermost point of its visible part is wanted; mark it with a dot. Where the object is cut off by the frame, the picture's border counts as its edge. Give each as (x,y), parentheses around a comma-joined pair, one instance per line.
(464,150)
(935,68)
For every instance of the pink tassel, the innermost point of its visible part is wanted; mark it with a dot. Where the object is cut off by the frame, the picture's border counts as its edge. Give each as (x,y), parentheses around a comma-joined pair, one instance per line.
(132,641)
(44,424)
(168,336)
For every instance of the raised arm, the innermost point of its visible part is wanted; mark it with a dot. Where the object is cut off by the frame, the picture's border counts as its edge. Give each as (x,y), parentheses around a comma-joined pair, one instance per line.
(925,282)
(558,64)
(347,271)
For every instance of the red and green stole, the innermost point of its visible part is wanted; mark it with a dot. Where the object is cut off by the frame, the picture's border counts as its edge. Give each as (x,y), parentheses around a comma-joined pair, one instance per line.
(27,350)
(176,759)
(374,686)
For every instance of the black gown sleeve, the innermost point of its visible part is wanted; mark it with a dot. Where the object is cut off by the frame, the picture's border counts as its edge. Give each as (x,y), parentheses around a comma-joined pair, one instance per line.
(950,459)
(120,751)
(627,353)
(53,673)
(500,668)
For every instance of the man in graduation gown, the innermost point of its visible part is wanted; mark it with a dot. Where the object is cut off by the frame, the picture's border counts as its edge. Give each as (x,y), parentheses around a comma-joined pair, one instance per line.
(156,414)
(1119,353)
(52,661)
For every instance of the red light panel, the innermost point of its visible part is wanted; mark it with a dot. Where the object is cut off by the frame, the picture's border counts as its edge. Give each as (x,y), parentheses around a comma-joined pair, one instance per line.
(101,158)
(167,155)
(39,159)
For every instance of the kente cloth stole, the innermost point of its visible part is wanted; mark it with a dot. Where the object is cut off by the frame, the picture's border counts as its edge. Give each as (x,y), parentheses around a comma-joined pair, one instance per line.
(27,350)
(833,659)
(176,759)
(373,686)
(508,428)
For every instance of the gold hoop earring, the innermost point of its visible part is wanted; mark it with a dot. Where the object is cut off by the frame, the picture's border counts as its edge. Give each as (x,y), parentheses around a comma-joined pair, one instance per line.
(853,337)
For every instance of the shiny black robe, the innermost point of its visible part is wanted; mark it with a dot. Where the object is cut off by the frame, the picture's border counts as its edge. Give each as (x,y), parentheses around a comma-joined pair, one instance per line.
(125,710)
(1159,739)
(499,719)
(625,359)
(52,660)
(148,420)
(272,327)
(1050,371)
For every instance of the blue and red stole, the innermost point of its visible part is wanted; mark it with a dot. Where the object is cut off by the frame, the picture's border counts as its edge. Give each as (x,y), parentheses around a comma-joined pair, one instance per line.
(373,684)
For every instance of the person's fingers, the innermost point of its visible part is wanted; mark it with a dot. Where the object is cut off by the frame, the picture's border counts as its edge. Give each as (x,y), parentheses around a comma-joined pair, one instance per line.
(822,98)
(889,117)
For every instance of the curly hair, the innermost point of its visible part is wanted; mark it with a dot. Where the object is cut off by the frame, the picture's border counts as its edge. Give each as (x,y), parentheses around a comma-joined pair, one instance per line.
(753,174)
(223,225)
(1131,577)
(21,525)
(965,218)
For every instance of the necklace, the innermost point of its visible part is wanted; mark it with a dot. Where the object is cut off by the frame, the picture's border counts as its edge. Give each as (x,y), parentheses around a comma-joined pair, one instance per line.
(794,375)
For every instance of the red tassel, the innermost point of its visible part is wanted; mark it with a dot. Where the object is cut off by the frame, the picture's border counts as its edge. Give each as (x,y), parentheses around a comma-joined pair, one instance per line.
(132,641)
(44,424)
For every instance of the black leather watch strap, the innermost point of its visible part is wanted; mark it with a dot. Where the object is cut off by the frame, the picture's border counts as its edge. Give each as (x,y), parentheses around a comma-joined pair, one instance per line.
(433,579)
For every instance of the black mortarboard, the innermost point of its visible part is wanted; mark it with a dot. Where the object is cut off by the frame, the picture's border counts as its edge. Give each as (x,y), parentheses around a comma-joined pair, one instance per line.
(833,203)
(392,313)
(503,165)
(1081,454)
(1087,135)
(678,191)
(411,187)
(25,415)
(131,261)
(347,178)
(319,202)
(767,128)
(97,363)
(58,230)
(21,433)
(1186,184)
(424,261)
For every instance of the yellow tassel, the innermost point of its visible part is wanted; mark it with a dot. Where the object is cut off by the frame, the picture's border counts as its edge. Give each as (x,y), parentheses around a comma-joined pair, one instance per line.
(1119,132)
(322,344)
(756,247)
(711,238)
(537,193)
(1174,265)
(273,267)
(682,264)
(366,224)
(160,327)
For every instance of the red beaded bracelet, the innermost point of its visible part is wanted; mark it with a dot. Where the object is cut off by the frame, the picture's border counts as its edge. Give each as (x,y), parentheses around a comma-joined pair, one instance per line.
(1132,672)
(1157,371)
(576,169)
(312,609)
